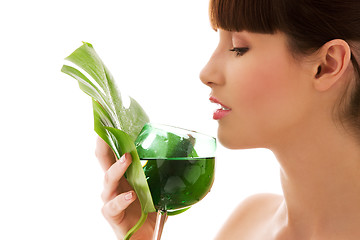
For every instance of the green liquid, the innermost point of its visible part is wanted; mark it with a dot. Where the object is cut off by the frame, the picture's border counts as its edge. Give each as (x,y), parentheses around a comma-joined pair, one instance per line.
(179,182)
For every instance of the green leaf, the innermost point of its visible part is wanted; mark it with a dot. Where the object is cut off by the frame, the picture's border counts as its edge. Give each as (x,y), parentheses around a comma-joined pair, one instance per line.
(130,120)
(89,88)
(176,212)
(117,125)
(102,120)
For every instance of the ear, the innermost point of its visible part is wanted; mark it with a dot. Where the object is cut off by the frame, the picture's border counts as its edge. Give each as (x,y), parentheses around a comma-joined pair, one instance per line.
(334,59)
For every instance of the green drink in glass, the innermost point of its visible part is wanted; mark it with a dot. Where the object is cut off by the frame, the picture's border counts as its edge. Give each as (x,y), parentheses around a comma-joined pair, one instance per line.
(179,167)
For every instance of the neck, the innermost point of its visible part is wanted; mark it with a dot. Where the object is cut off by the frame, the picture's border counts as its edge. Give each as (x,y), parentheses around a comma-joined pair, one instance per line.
(320,176)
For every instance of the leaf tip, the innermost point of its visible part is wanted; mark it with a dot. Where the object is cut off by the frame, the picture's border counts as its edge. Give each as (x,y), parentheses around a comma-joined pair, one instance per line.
(88,44)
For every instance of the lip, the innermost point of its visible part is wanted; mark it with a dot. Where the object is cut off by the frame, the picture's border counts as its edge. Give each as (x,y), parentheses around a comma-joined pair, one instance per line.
(222,111)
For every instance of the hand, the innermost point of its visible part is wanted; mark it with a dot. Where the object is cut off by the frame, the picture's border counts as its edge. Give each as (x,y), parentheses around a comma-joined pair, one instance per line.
(121,207)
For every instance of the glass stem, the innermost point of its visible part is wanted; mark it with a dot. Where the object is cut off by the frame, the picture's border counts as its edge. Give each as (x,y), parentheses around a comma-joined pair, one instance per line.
(160,221)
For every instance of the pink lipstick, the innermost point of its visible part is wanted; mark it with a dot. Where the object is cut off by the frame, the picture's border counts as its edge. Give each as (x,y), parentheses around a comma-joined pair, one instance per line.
(222,111)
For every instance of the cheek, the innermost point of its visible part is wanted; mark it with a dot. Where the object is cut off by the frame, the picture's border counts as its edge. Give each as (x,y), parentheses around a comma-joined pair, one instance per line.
(262,90)
(263,104)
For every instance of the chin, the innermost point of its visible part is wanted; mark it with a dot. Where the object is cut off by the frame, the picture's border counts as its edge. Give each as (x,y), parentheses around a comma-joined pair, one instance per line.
(228,140)
(233,140)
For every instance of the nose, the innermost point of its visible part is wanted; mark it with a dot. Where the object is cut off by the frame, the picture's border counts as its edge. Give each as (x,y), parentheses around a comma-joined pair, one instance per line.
(212,73)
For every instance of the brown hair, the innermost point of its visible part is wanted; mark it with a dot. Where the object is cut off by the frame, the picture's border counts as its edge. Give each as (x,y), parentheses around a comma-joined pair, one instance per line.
(308,24)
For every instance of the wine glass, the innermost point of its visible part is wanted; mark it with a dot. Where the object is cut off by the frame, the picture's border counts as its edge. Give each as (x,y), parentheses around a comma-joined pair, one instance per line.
(179,168)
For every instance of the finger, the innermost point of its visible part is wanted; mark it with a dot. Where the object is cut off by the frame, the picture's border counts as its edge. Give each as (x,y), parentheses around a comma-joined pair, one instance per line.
(104,154)
(113,176)
(114,210)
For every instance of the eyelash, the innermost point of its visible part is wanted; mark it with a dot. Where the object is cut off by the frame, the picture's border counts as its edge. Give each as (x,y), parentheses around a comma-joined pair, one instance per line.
(239,51)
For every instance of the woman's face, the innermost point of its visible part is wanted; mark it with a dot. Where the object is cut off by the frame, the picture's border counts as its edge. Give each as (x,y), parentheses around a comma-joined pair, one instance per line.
(264,91)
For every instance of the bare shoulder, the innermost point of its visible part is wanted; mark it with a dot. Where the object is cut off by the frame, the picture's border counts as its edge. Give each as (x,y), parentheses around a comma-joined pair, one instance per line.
(267,202)
(251,217)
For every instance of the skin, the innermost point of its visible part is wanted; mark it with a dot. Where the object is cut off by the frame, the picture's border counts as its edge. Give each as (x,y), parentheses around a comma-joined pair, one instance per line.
(285,104)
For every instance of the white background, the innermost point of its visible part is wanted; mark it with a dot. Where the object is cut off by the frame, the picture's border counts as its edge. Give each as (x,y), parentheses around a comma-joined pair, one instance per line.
(50,180)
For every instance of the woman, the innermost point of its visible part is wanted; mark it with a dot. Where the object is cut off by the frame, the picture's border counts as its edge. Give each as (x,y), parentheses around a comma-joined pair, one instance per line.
(286,76)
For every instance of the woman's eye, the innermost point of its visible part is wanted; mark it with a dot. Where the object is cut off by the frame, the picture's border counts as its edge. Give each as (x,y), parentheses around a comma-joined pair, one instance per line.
(239,51)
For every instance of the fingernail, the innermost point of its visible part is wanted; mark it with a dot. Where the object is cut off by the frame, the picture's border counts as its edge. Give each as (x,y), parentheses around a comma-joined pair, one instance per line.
(123,158)
(128,196)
